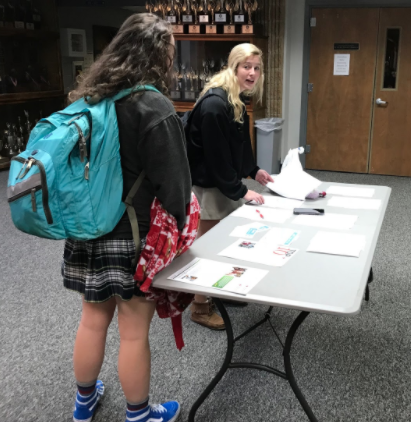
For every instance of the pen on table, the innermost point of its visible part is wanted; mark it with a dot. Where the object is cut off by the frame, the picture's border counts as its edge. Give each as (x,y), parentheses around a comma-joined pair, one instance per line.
(259,213)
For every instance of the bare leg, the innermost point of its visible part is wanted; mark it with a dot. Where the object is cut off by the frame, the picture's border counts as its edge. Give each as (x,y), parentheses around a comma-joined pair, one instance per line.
(91,339)
(134,359)
(205,226)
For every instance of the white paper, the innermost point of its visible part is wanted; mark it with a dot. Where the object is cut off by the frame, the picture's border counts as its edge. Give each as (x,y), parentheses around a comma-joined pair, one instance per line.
(279,236)
(248,250)
(347,191)
(342,64)
(337,244)
(249,230)
(354,203)
(329,221)
(219,275)
(263,215)
(295,184)
(279,202)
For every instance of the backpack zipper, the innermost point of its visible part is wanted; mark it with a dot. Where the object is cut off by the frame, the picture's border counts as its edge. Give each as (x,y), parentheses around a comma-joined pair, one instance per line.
(43,178)
(82,142)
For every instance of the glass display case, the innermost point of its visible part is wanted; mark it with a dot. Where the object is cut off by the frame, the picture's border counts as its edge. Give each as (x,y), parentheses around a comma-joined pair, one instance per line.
(198,58)
(30,70)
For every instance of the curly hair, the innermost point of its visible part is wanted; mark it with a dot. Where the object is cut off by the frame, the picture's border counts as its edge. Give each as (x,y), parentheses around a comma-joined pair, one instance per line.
(227,78)
(139,54)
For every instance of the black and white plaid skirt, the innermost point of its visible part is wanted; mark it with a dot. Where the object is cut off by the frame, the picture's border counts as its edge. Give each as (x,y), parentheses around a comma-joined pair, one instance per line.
(100,269)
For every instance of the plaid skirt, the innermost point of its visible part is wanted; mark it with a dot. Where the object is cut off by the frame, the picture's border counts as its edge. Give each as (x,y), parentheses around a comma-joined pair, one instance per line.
(100,269)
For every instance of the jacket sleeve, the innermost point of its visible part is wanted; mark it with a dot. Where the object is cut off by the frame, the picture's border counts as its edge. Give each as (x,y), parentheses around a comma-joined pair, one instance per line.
(164,158)
(215,132)
(249,166)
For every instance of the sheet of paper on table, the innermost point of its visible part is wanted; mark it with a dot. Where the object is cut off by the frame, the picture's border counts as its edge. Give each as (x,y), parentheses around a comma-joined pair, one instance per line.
(327,221)
(279,202)
(344,244)
(263,215)
(347,191)
(219,275)
(295,184)
(267,252)
(354,203)
(249,230)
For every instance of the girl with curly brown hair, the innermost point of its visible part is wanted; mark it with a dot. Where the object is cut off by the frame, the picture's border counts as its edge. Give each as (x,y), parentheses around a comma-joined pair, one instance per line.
(151,140)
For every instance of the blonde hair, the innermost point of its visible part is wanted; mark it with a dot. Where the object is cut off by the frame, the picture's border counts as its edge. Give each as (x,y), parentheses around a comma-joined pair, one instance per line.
(227,78)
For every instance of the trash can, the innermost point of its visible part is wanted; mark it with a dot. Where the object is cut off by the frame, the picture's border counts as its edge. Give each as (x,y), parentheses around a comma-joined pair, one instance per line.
(269,134)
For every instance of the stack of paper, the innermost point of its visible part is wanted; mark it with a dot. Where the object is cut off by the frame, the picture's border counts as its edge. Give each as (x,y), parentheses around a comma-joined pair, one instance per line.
(327,221)
(354,203)
(347,191)
(293,183)
(337,244)
(261,214)
(222,276)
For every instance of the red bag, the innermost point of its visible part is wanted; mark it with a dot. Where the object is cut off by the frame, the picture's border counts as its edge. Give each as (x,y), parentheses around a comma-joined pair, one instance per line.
(164,242)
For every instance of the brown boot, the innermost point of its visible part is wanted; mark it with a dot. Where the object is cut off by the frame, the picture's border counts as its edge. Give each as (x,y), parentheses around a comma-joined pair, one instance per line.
(203,314)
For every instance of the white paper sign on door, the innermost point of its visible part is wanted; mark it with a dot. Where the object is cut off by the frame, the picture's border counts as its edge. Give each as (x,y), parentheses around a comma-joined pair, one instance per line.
(342,64)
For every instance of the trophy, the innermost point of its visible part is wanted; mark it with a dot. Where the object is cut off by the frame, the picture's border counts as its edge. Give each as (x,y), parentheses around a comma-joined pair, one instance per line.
(178,28)
(239,16)
(212,29)
(194,29)
(186,8)
(161,6)
(27,127)
(175,94)
(230,6)
(171,15)
(20,136)
(203,12)
(150,6)
(250,7)
(6,139)
(221,16)
(11,139)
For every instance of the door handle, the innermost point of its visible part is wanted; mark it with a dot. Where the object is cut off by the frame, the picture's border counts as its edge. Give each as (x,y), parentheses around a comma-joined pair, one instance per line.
(380,102)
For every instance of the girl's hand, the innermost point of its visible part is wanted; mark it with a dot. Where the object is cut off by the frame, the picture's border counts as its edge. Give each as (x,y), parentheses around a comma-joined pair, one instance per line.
(263,177)
(254,196)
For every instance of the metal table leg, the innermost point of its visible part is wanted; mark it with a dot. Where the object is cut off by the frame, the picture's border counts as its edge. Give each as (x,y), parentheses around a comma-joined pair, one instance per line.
(288,374)
(226,363)
(288,369)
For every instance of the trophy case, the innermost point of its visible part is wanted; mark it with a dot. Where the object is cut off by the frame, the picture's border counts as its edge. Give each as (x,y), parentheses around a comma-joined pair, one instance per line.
(30,70)
(205,31)
(198,58)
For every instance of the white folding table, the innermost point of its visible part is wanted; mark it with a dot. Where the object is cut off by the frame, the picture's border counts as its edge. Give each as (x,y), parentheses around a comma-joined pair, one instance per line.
(309,282)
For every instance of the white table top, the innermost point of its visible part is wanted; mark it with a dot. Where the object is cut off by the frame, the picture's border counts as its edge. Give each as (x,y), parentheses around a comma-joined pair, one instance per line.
(309,281)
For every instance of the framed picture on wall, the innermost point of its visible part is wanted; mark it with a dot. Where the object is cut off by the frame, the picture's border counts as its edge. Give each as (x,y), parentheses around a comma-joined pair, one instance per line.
(73,42)
(77,69)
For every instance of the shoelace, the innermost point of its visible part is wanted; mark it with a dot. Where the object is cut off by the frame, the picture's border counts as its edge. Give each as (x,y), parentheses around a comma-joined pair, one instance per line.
(158,408)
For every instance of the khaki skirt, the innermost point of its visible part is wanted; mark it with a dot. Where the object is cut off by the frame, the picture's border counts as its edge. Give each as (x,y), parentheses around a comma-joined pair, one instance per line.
(214,205)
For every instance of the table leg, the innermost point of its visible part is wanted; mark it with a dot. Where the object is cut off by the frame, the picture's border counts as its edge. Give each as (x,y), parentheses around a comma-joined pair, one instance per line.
(226,363)
(288,369)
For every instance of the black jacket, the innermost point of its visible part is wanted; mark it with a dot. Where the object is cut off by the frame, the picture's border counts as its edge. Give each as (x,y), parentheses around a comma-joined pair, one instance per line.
(219,149)
(152,139)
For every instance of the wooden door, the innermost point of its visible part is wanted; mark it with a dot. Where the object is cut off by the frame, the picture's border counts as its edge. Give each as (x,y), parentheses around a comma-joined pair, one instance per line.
(391,138)
(340,107)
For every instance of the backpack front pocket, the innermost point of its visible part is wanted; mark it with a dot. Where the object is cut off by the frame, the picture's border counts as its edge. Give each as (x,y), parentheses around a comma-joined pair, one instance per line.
(32,198)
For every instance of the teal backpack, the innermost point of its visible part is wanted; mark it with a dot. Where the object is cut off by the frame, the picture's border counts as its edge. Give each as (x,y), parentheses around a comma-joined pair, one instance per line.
(68,182)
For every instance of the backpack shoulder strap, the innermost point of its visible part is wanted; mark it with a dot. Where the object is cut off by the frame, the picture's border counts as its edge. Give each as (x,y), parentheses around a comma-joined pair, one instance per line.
(210,93)
(133,216)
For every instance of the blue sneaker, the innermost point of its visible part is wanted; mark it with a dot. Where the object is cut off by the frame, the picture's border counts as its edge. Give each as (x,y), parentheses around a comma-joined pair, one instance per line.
(166,412)
(86,406)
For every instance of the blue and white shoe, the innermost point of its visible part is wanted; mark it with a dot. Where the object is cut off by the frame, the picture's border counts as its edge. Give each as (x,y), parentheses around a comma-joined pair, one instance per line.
(86,406)
(166,412)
